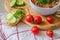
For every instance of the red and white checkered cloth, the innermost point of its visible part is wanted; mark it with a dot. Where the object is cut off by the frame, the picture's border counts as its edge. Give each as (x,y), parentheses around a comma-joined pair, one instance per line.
(22,32)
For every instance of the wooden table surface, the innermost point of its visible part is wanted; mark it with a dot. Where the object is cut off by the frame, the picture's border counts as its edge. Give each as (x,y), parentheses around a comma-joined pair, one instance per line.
(45,25)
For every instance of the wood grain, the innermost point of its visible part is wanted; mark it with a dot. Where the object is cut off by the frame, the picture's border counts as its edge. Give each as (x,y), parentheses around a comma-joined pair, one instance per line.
(44,25)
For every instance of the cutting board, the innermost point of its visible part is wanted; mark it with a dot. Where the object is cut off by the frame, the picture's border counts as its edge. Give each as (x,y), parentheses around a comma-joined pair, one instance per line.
(44,25)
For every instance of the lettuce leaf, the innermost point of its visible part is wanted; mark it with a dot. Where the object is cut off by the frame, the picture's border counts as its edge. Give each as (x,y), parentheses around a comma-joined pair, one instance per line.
(46,1)
(18,13)
(40,1)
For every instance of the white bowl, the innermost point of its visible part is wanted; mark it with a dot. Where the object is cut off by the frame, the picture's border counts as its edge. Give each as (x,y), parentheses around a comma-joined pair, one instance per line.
(44,11)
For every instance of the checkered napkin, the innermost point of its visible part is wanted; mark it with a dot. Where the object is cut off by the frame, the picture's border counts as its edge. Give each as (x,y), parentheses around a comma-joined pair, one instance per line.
(22,32)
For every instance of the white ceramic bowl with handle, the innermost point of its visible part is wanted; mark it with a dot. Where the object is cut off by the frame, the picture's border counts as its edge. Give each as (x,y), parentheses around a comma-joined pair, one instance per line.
(44,11)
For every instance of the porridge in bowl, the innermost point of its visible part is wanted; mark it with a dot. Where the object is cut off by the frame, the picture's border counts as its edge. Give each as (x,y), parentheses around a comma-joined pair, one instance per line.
(45,3)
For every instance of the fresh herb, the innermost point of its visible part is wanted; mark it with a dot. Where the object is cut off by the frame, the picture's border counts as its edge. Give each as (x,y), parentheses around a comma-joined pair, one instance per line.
(19,13)
(40,1)
(44,1)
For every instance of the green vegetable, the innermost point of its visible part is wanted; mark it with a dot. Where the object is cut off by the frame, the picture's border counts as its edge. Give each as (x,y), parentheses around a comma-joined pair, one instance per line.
(9,16)
(13,2)
(19,13)
(20,3)
(40,1)
(12,20)
(12,17)
(17,2)
(46,1)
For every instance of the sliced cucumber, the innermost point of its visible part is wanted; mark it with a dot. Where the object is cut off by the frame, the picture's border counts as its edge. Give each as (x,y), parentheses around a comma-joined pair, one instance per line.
(13,20)
(20,3)
(13,2)
(9,16)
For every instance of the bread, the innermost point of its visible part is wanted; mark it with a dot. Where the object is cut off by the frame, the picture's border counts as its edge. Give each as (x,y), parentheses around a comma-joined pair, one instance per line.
(10,9)
(44,25)
(13,24)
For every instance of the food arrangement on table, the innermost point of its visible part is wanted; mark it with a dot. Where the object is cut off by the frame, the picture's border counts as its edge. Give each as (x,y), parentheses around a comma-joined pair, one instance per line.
(39,14)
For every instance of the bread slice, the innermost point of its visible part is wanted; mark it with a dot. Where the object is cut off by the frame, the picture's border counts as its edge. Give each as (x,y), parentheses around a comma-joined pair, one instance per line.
(14,17)
(44,25)
(10,9)
(13,24)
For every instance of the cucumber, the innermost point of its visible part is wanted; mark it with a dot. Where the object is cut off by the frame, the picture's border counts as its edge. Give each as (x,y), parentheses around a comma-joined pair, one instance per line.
(13,2)
(13,20)
(14,16)
(20,3)
(9,16)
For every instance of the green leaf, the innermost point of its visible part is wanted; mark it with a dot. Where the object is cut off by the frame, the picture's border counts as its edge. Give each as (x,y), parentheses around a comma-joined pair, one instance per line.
(18,14)
(40,1)
(46,1)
